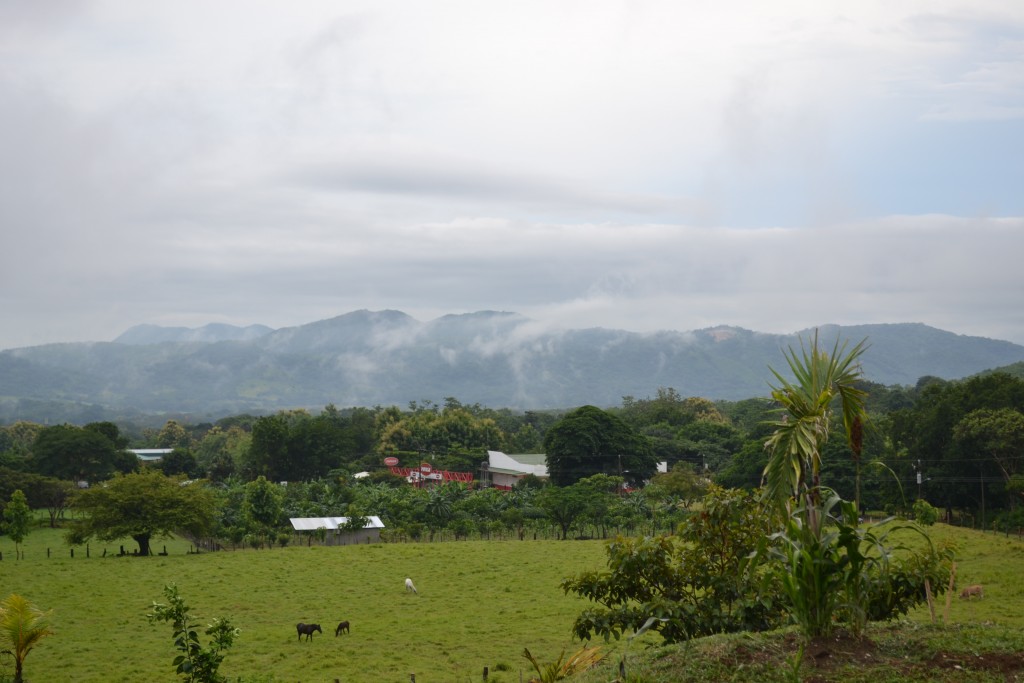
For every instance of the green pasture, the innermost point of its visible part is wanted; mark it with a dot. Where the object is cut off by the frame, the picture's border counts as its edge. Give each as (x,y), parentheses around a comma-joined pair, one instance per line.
(479,604)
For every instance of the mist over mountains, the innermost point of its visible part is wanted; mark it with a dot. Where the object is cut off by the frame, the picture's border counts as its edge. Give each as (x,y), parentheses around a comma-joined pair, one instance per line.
(497,359)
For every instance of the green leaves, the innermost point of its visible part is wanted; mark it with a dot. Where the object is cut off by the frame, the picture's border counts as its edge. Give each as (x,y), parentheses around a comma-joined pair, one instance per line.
(22,626)
(142,505)
(696,583)
(195,664)
(821,378)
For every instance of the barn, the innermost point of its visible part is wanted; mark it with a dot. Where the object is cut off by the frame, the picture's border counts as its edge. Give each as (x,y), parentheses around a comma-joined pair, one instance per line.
(335,532)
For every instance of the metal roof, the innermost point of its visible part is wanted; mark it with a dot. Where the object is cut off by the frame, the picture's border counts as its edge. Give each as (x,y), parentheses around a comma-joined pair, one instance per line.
(519,464)
(314,523)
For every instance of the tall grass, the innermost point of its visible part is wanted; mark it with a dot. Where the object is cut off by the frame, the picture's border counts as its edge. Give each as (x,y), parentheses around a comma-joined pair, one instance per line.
(479,605)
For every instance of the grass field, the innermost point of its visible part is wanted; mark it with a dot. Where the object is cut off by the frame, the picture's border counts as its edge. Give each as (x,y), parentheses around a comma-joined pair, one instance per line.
(479,604)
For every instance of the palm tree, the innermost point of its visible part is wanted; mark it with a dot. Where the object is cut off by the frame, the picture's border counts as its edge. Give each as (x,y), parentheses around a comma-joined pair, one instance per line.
(22,625)
(820,380)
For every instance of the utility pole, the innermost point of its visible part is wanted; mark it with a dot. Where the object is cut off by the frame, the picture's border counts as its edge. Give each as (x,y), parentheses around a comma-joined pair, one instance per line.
(919,479)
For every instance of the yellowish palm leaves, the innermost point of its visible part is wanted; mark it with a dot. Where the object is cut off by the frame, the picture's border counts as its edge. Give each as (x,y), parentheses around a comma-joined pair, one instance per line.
(22,626)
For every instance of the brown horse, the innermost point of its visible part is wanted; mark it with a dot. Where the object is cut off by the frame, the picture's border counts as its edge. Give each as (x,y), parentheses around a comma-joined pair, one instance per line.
(307,630)
(342,628)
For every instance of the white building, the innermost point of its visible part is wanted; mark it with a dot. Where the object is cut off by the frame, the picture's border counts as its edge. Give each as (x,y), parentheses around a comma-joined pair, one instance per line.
(336,534)
(505,470)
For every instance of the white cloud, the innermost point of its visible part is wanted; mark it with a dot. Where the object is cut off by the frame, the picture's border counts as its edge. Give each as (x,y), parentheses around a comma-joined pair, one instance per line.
(637,165)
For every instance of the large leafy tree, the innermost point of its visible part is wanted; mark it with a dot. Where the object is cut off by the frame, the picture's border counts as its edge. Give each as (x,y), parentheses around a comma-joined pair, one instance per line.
(957,475)
(296,446)
(143,506)
(997,435)
(22,626)
(590,441)
(79,454)
(455,437)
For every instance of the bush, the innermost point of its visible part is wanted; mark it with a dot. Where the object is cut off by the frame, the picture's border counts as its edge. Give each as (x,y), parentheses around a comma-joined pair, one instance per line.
(695,584)
(924,513)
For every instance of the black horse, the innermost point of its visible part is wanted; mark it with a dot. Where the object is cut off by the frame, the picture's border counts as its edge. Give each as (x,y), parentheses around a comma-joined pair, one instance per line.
(307,630)
(342,628)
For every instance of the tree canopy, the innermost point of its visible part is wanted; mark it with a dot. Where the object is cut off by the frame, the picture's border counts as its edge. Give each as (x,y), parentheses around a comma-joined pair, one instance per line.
(143,506)
(590,441)
(79,453)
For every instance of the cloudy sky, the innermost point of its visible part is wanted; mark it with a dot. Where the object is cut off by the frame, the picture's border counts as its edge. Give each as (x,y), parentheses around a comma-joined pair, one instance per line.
(633,164)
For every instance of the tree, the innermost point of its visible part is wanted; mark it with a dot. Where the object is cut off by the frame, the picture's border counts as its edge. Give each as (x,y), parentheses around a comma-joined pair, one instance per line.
(74,453)
(997,435)
(563,505)
(142,506)
(17,516)
(263,504)
(173,435)
(22,625)
(590,441)
(681,482)
(111,431)
(923,436)
(55,495)
(180,461)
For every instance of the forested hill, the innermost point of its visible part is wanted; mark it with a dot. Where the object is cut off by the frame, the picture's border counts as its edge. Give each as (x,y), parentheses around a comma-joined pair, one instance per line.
(368,358)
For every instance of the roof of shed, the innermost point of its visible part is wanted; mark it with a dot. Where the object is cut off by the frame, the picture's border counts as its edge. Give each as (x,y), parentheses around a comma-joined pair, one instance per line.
(314,523)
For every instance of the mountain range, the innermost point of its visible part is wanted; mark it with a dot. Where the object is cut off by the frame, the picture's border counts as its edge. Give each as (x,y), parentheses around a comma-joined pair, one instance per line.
(496,359)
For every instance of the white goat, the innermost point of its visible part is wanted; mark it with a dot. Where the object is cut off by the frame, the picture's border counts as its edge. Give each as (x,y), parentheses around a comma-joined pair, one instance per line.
(410,587)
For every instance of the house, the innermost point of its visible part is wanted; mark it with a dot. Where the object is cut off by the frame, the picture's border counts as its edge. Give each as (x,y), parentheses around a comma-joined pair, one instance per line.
(503,471)
(335,533)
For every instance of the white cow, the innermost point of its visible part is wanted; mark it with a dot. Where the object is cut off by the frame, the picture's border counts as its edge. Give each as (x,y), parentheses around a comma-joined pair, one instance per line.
(410,587)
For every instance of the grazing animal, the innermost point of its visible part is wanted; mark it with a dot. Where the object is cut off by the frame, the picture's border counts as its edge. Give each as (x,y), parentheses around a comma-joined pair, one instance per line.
(971,591)
(410,587)
(307,630)
(342,628)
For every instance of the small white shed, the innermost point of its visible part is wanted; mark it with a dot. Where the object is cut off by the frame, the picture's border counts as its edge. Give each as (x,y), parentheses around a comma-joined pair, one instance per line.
(336,534)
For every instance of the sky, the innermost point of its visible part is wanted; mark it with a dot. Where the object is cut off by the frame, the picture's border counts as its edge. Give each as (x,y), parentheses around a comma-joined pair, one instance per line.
(640,165)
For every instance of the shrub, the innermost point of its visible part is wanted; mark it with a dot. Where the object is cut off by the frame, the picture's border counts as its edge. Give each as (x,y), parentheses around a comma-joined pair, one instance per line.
(196,664)
(695,584)
(924,513)
(848,573)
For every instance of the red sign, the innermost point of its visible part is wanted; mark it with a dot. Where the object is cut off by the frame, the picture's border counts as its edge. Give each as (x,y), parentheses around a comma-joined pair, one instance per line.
(425,467)
(390,461)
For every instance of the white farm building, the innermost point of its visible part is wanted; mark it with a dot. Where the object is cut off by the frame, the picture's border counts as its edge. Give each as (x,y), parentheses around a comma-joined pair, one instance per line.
(335,532)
